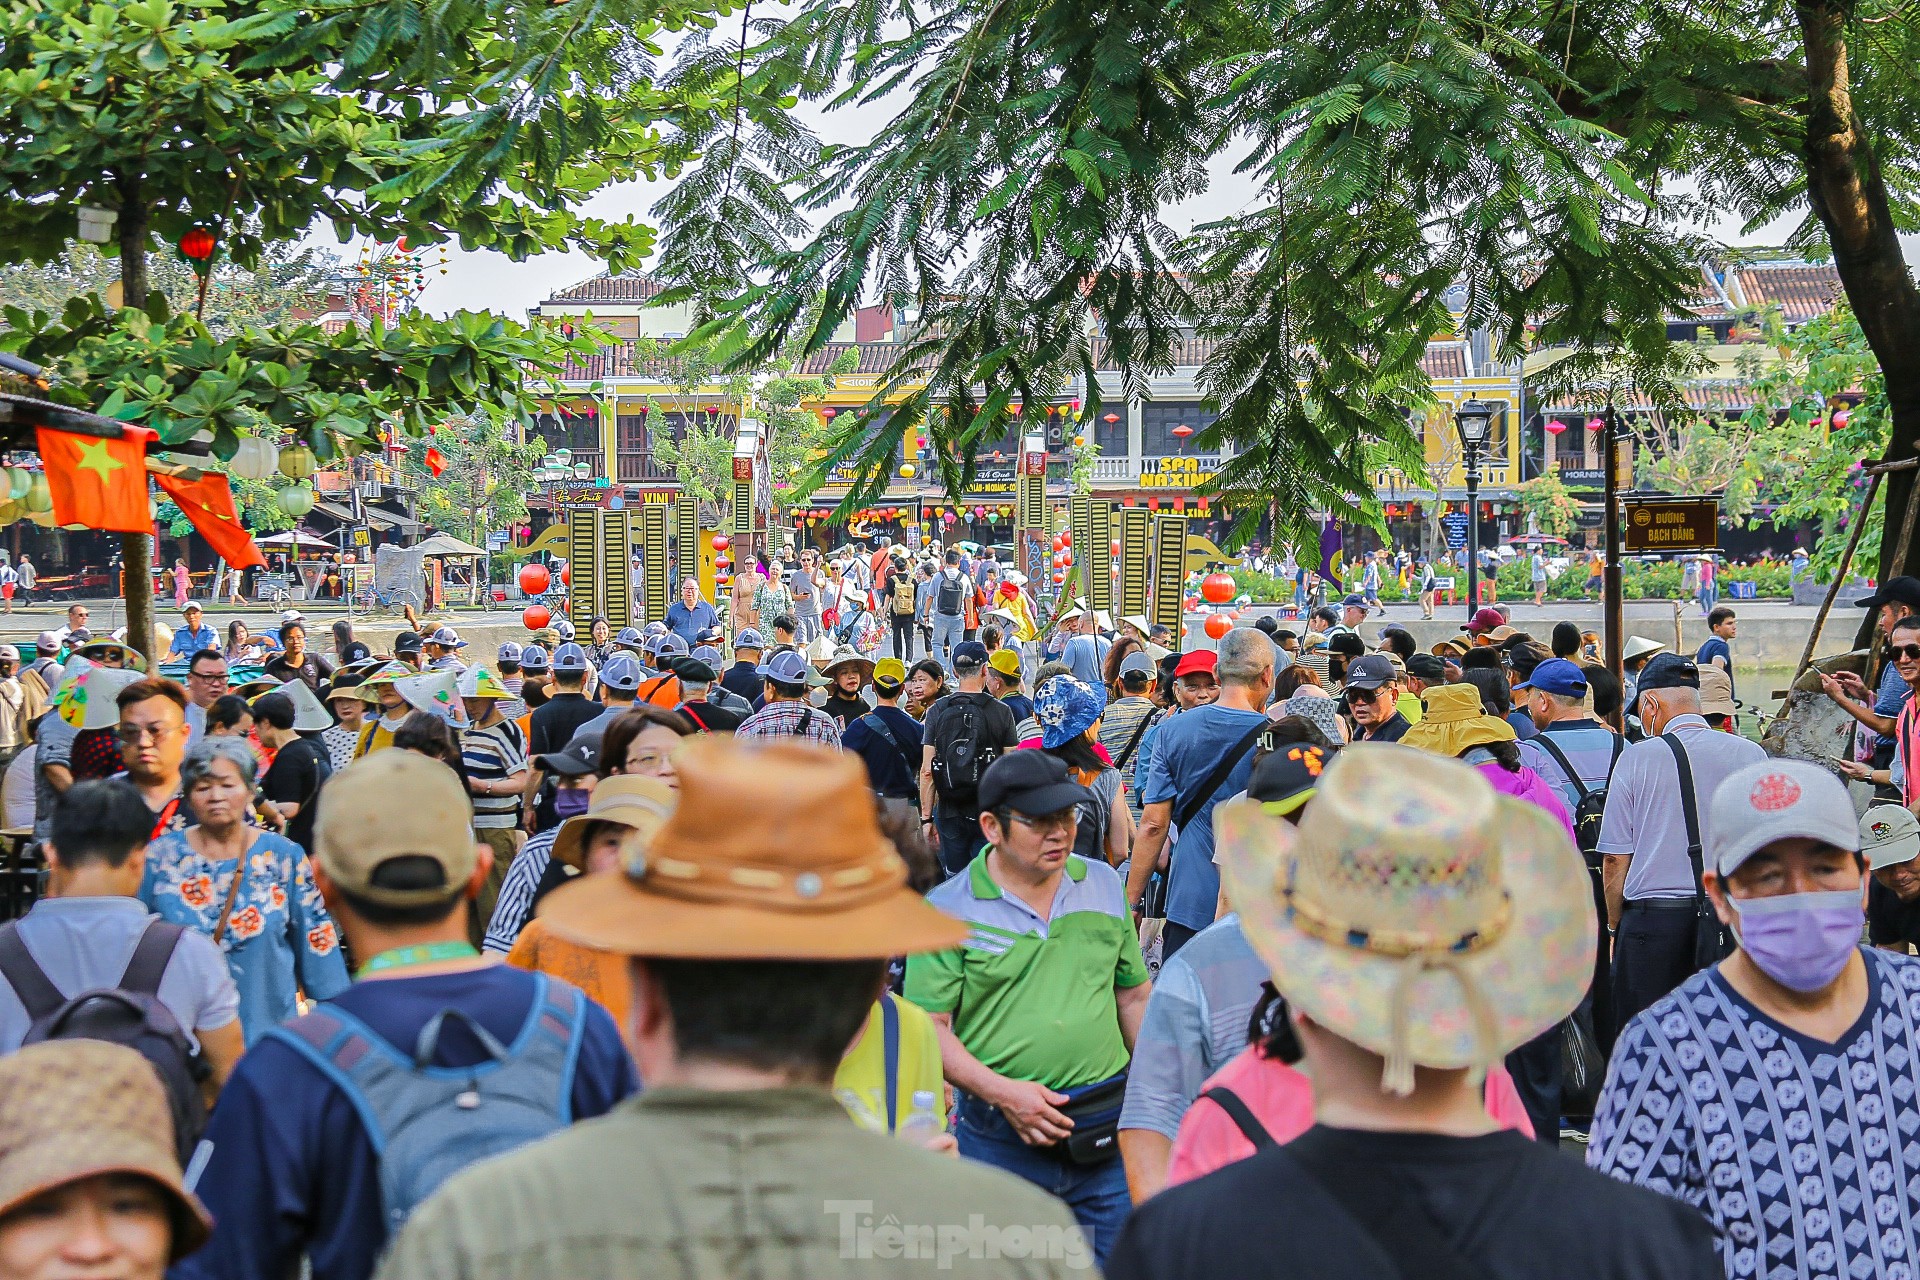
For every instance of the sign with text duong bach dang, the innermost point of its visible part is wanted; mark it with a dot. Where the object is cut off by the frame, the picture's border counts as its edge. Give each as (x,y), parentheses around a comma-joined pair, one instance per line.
(1670,524)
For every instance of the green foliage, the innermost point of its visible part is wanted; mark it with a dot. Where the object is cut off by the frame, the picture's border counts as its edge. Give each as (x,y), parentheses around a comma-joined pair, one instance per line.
(289,280)
(1546,499)
(484,479)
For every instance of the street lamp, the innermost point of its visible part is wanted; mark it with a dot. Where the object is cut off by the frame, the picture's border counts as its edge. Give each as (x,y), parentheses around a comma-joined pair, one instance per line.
(1473,419)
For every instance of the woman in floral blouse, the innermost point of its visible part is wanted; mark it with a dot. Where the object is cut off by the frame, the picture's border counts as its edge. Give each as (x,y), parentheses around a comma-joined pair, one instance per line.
(272,926)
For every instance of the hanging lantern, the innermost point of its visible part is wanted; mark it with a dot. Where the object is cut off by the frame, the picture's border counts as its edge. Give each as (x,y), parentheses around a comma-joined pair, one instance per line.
(1111,418)
(297,461)
(1840,417)
(535,616)
(1115,546)
(721,542)
(1217,625)
(252,459)
(9,512)
(535,579)
(1059,579)
(19,480)
(1183,431)
(1555,426)
(829,412)
(296,500)
(1596,424)
(566,575)
(39,498)
(1153,504)
(197,246)
(1216,588)
(1179,504)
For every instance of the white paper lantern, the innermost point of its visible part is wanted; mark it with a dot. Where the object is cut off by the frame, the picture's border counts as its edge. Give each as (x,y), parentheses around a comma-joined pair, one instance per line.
(254,459)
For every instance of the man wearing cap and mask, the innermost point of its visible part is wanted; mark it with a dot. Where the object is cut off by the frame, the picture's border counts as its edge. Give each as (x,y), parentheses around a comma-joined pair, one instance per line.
(1653,831)
(295,1164)
(1890,842)
(759,920)
(743,677)
(1403,991)
(1371,698)
(1774,1092)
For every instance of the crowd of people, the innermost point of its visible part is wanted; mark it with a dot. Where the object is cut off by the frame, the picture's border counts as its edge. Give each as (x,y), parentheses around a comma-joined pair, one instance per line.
(704,949)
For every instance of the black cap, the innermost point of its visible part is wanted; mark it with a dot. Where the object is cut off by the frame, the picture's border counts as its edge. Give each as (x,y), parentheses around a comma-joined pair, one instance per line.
(1286,778)
(1369,672)
(693,669)
(1902,590)
(406,642)
(1668,671)
(582,755)
(1031,782)
(1428,667)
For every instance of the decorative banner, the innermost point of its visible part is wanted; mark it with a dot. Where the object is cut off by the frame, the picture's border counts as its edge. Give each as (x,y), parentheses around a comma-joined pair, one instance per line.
(583,557)
(1031,504)
(98,482)
(616,576)
(1169,569)
(1332,552)
(1136,561)
(655,592)
(1079,518)
(686,546)
(208,504)
(1097,578)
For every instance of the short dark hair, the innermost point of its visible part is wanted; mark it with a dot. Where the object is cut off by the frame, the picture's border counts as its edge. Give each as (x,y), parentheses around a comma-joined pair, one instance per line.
(1566,639)
(275,709)
(149,688)
(101,821)
(1482,658)
(427,734)
(203,654)
(796,1016)
(1496,695)
(784,622)
(1603,689)
(1719,614)
(627,726)
(407,871)
(226,711)
(1400,642)
(1326,613)
(1910,622)
(285,627)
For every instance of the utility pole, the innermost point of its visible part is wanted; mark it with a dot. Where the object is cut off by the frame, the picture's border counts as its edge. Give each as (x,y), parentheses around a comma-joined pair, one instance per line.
(1614,606)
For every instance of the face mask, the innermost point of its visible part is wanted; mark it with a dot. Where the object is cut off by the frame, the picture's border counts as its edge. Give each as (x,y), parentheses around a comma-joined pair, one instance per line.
(571,804)
(1800,940)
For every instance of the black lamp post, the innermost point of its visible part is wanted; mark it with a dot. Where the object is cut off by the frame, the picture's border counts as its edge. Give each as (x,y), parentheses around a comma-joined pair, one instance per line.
(1473,419)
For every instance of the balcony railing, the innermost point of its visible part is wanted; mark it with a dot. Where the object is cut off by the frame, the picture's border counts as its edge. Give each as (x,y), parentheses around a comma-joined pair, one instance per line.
(634,467)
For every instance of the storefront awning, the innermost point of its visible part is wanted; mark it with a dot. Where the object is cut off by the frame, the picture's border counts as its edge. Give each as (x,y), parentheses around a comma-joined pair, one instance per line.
(373,516)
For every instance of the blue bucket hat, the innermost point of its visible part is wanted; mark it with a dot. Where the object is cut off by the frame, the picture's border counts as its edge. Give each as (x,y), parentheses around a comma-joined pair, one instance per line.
(1066,708)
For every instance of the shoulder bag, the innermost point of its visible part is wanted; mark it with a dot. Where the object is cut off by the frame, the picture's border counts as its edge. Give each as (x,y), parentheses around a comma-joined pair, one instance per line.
(1190,807)
(1712,941)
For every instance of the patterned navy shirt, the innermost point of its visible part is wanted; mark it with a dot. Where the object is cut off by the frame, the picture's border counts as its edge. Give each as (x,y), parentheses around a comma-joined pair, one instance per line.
(1804,1155)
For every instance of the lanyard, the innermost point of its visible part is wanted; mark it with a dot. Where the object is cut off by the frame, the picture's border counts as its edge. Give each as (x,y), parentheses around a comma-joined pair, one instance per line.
(403,957)
(166,817)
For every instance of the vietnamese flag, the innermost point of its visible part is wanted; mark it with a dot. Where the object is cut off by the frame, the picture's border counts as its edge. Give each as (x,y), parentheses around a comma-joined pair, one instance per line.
(208,503)
(98,482)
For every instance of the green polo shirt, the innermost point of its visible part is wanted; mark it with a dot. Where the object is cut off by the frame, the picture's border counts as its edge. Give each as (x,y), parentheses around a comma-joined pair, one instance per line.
(1032,998)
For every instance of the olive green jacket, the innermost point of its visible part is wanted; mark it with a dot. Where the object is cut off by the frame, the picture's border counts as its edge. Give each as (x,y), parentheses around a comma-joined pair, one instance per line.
(772,1184)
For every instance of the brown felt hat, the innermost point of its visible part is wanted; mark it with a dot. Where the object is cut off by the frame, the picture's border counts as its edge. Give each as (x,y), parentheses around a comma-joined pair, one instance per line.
(629,801)
(773,853)
(77,1109)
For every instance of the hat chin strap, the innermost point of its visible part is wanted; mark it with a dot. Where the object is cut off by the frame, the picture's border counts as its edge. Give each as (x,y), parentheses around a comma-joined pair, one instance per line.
(1397,1076)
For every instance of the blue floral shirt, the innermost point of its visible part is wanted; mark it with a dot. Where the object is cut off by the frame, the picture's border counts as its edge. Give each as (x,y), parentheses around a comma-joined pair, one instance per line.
(279,939)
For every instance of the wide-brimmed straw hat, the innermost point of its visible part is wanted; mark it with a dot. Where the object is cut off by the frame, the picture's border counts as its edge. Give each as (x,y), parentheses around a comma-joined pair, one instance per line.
(310,715)
(773,853)
(1454,721)
(847,655)
(76,1109)
(1414,911)
(86,695)
(631,801)
(368,690)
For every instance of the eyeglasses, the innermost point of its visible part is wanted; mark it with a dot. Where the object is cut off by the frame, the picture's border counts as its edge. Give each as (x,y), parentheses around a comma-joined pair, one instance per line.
(132,734)
(1911,652)
(211,677)
(1048,823)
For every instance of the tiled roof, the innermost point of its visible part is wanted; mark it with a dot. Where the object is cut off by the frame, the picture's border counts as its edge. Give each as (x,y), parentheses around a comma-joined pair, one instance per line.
(1706,397)
(631,287)
(1802,291)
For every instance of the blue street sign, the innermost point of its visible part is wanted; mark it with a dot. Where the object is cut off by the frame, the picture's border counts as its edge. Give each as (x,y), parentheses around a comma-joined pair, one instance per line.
(1454,525)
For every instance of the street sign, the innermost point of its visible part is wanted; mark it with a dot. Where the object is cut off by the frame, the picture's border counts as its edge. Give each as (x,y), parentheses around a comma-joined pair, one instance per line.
(362,538)
(1583,477)
(1454,525)
(1671,524)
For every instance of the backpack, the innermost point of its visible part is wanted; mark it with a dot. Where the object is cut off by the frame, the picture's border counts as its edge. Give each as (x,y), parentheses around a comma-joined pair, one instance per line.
(429,1122)
(128,1013)
(902,594)
(951,595)
(1591,809)
(960,758)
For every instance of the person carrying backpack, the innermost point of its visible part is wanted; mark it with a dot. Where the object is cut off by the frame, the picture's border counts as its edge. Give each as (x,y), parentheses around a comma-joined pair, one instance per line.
(898,591)
(89,962)
(337,1124)
(951,586)
(964,732)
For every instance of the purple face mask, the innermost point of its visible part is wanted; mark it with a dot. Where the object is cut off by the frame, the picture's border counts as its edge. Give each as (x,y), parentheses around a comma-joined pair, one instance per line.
(571,803)
(1800,940)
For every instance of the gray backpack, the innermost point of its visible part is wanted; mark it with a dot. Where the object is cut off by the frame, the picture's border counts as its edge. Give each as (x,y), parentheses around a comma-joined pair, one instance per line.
(429,1122)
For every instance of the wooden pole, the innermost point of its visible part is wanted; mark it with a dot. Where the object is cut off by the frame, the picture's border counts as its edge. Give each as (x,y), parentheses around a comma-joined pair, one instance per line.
(1613,606)
(1846,563)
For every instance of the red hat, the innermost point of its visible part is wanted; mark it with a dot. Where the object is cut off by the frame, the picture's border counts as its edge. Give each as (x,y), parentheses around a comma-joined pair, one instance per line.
(1485,620)
(1008,591)
(1203,661)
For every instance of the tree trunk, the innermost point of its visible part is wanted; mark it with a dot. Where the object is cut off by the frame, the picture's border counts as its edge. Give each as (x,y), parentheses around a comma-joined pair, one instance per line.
(1849,195)
(136,549)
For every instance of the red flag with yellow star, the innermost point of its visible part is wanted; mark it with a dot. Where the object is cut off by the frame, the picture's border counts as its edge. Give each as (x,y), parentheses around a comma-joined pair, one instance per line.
(208,503)
(98,482)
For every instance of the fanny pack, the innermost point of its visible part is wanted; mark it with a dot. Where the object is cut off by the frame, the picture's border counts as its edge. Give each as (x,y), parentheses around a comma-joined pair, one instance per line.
(1095,1137)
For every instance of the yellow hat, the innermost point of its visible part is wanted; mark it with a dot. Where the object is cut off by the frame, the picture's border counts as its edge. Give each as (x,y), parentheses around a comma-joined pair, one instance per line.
(1005,661)
(889,671)
(1454,721)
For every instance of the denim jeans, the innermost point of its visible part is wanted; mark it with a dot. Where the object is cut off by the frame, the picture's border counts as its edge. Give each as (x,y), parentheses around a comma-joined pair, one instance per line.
(960,836)
(1097,1193)
(948,631)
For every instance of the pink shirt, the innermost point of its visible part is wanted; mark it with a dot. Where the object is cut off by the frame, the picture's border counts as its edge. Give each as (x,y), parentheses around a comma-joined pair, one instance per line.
(1281,1098)
(1528,785)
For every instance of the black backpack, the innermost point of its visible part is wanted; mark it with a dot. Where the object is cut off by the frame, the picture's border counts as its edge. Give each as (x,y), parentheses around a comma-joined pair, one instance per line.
(960,758)
(1591,808)
(953,591)
(129,1014)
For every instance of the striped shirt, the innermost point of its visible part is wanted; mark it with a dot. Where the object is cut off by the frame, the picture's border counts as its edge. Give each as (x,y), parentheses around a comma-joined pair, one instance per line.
(494,754)
(790,720)
(1117,725)
(1196,1021)
(514,907)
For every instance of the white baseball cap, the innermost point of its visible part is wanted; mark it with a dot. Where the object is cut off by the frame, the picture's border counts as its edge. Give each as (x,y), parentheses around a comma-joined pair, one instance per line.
(1778,800)
(1889,835)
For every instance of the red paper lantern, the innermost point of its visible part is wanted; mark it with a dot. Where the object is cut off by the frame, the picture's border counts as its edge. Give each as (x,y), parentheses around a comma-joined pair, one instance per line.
(828,413)
(534,579)
(1840,417)
(1153,504)
(535,616)
(1218,625)
(198,244)
(1216,588)
(1115,546)
(721,542)
(566,575)
(1555,426)
(1111,418)
(1059,578)
(1183,431)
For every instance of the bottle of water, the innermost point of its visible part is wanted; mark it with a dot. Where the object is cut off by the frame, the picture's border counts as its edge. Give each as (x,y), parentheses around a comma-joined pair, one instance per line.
(923,1118)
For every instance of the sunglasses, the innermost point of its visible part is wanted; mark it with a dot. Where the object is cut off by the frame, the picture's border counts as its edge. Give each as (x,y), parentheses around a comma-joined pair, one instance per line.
(1911,652)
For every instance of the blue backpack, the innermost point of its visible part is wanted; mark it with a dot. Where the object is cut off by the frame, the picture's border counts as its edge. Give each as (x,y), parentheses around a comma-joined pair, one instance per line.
(429,1122)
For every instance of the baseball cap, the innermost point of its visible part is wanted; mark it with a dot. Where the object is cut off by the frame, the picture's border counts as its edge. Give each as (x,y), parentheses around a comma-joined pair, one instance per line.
(1285,779)
(1029,782)
(970,654)
(563,628)
(8,653)
(1485,620)
(1005,661)
(1555,675)
(1137,663)
(1354,600)
(533,659)
(509,652)
(1369,672)
(1716,692)
(672,645)
(448,637)
(395,804)
(568,657)
(785,667)
(654,628)
(709,635)
(1668,671)
(1199,662)
(620,672)
(629,638)
(1901,590)
(581,755)
(1889,835)
(708,654)
(1428,667)
(1778,799)
(193,606)
(406,642)
(889,673)
(748,639)
(292,615)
